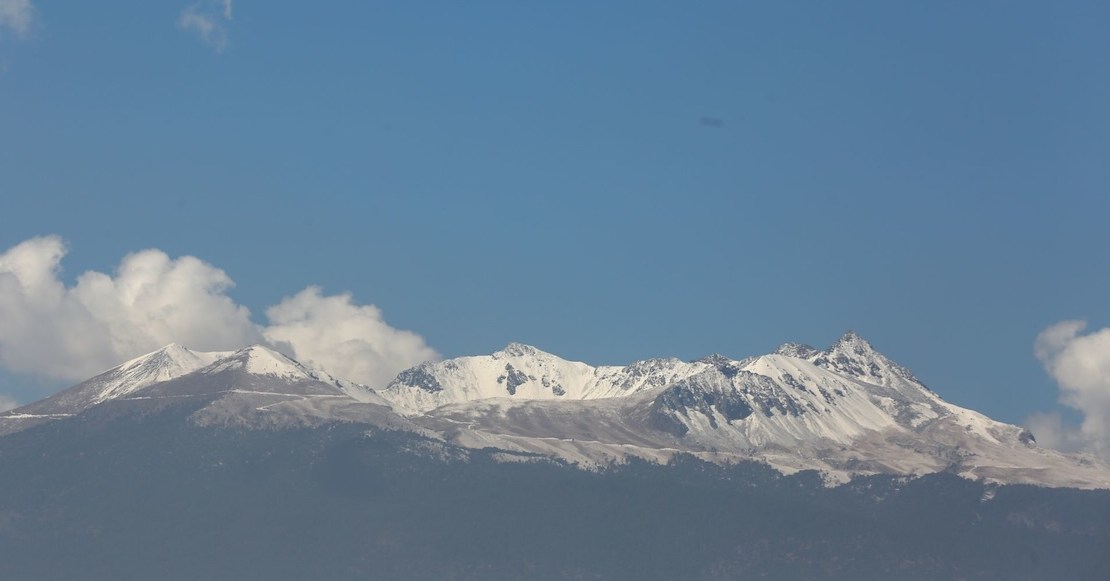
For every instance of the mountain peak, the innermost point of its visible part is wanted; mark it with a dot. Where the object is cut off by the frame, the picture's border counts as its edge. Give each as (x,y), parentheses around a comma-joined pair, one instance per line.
(851,341)
(515,349)
(854,356)
(261,360)
(798,350)
(715,359)
(172,353)
(258,349)
(172,360)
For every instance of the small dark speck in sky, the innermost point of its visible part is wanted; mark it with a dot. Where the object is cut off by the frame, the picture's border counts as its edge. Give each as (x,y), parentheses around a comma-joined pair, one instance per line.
(714,122)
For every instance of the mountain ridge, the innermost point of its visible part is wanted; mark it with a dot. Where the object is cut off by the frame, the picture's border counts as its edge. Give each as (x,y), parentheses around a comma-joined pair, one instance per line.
(845,411)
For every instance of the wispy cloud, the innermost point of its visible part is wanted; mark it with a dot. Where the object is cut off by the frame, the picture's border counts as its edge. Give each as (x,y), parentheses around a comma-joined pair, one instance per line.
(73,332)
(1080,364)
(209,20)
(16,16)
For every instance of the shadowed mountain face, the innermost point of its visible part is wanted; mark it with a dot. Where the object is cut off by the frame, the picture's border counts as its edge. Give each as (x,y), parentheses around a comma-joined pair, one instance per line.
(250,465)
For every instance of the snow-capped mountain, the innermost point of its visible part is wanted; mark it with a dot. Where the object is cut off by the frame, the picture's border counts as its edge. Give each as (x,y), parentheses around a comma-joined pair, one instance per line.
(523,372)
(254,383)
(258,387)
(165,364)
(261,365)
(847,410)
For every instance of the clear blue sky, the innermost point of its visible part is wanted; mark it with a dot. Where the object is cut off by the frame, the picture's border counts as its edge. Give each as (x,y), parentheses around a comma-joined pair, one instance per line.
(606,180)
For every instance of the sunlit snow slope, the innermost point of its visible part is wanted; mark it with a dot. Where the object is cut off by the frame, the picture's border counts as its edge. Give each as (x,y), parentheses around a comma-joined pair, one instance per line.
(523,372)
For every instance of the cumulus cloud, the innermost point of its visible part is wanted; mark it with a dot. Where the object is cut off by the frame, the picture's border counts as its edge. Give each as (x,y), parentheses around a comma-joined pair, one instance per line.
(1053,431)
(73,332)
(16,16)
(209,20)
(1080,364)
(333,333)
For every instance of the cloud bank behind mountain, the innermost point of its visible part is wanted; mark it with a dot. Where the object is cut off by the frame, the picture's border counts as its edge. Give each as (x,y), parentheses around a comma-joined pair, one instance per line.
(72,332)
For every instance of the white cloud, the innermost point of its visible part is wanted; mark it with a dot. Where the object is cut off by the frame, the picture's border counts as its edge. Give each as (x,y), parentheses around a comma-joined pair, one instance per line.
(73,332)
(209,19)
(348,340)
(1080,365)
(7,403)
(16,16)
(1052,431)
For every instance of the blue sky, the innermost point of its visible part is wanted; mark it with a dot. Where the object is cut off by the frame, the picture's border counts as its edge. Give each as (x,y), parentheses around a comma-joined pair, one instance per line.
(607,181)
